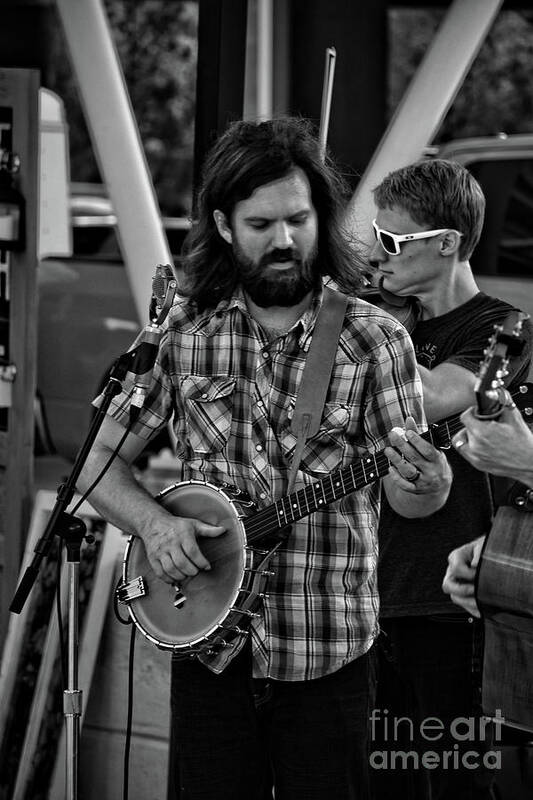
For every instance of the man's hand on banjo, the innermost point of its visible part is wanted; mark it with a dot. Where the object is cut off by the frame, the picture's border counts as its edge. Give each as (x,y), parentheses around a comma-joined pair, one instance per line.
(173,549)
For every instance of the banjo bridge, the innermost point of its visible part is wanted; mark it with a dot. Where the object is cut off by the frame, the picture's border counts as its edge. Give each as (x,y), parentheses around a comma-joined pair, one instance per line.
(179,597)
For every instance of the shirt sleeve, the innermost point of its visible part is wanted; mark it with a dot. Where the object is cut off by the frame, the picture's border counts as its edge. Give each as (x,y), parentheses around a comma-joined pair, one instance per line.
(157,407)
(395,389)
(470,352)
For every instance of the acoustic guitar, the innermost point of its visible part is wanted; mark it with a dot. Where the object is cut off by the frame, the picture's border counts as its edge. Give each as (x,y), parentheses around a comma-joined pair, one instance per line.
(504,581)
(209,611)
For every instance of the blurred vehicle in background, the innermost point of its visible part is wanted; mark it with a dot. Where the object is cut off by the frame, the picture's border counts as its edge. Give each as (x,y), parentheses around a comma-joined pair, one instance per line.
(87,315)
(503,259)
(87,318)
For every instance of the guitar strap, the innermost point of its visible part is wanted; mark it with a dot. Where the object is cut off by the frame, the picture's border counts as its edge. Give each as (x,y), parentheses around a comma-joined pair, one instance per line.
(317,373)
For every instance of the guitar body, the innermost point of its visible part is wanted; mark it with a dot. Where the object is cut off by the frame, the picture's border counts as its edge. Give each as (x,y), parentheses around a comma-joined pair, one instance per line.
(505,598)
(504,581)
(206,611)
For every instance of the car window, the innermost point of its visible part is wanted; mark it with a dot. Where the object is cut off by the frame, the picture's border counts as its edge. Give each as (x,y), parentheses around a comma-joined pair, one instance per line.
(506,245)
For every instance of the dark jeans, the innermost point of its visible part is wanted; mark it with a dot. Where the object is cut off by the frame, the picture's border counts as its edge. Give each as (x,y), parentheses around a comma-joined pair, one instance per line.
(429,667)
(233,738)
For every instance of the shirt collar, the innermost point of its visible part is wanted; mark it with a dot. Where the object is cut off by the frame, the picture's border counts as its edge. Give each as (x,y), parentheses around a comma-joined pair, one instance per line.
(210,321)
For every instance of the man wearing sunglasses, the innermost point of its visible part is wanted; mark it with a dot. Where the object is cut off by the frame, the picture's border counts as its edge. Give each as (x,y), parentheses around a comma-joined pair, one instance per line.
(428,222)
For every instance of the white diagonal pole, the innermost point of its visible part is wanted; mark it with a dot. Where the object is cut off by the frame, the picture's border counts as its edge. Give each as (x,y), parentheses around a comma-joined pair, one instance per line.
(117,143)
(425,102)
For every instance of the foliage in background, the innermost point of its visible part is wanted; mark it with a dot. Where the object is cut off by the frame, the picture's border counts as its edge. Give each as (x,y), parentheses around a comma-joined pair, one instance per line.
(157,45)
(497,94)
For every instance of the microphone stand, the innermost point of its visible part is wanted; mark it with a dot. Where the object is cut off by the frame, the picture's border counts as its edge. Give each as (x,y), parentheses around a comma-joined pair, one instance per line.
(139,359)
(72,531)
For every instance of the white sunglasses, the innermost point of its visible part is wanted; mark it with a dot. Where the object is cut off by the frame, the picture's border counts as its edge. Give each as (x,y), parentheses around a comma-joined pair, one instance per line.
(390,242)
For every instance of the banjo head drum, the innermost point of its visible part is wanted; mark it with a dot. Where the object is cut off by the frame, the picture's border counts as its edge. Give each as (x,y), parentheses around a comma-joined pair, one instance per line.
(180,618)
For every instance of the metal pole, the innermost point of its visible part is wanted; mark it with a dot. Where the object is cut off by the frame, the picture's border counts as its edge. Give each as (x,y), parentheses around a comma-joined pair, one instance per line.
(425,102)
(265,45)
(72,696)
(327,92)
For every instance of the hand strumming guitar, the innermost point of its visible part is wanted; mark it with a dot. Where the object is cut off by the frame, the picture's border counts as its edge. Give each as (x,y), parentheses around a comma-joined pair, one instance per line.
(459,580)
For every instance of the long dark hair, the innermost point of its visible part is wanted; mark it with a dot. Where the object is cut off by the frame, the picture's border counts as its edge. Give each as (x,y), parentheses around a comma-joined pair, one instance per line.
(249,155)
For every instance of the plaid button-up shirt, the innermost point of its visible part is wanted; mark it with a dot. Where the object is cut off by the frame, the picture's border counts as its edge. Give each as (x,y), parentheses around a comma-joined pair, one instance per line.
(230,393)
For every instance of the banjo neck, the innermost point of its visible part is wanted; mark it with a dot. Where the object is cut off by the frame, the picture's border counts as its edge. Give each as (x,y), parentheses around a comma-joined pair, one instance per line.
(342,482)
(303,502)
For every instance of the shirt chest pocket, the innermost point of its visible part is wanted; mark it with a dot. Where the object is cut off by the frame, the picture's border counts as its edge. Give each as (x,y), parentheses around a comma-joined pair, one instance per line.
(325,451)
(208,406)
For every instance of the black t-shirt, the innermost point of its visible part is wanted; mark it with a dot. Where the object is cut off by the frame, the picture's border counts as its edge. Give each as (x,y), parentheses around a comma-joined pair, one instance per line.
(414,552)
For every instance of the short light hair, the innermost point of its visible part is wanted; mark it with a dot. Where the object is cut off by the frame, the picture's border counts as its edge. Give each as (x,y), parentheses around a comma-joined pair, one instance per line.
(249,155)
(437,193)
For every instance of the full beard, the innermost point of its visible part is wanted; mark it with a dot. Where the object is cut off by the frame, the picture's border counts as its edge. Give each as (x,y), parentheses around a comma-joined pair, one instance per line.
(267,286)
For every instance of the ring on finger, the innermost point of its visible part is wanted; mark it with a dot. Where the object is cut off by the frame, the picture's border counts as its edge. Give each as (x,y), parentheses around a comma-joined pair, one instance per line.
(415,477)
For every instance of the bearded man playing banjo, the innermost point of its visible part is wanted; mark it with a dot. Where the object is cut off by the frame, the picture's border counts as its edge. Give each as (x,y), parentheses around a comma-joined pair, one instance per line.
(281,697)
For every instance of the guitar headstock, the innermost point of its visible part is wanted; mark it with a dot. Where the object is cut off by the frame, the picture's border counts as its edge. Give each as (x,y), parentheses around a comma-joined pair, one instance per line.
(523,398)
(504,343)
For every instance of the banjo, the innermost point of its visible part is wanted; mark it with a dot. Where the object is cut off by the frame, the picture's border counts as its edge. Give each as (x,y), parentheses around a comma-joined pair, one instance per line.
(211,610)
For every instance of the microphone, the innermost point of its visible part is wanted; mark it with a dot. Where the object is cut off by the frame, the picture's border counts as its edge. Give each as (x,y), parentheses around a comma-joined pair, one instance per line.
(164,287)
(141,357)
